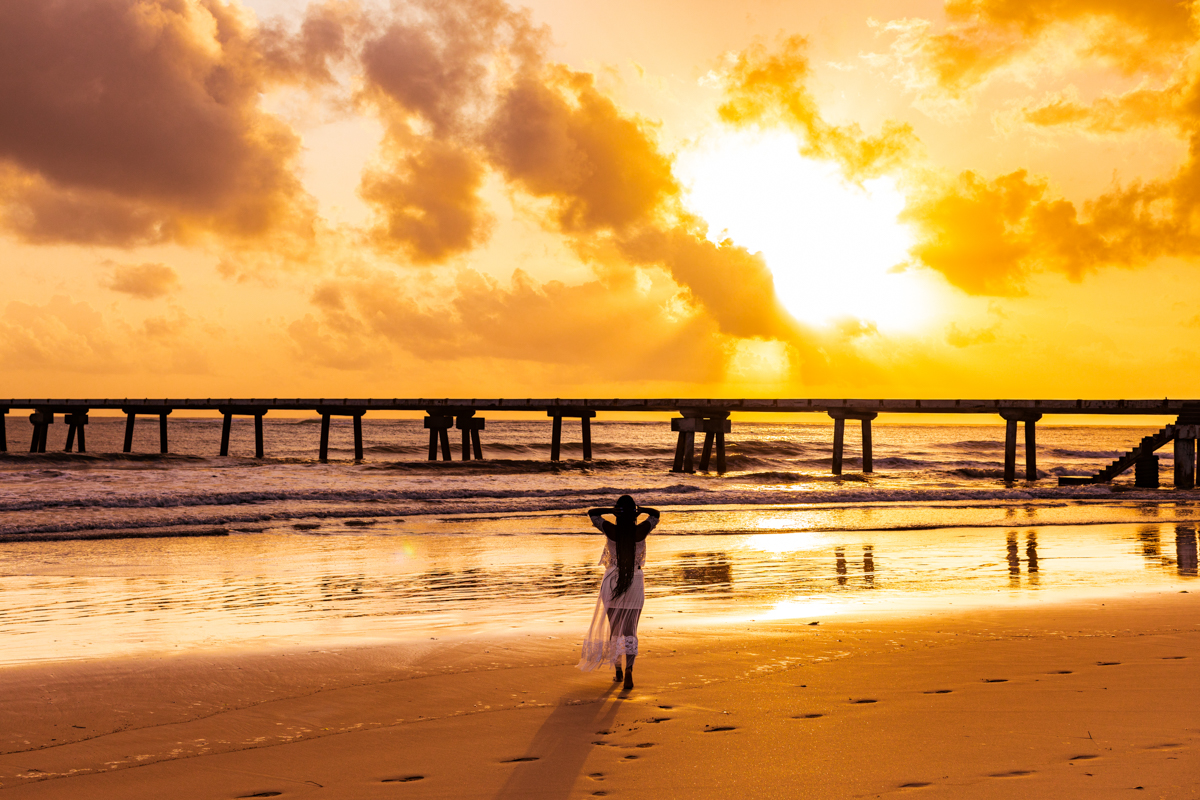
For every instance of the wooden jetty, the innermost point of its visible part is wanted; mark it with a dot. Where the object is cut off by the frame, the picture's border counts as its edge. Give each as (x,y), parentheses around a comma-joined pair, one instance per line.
(708,416)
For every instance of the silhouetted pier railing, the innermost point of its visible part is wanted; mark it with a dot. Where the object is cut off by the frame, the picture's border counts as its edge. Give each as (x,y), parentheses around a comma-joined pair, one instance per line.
(707,416)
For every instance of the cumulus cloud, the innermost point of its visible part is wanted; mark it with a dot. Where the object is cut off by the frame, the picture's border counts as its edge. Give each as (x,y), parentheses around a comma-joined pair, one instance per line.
(466,91)
(983,38)
(771,88)
(588,326)
(131,121)
(145,281)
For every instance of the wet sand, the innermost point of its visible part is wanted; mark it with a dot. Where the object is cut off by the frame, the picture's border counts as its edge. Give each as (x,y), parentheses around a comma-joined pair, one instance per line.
(1058,699)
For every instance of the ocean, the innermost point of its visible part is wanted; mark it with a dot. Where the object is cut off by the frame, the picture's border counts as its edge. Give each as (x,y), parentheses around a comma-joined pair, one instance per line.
(105,553)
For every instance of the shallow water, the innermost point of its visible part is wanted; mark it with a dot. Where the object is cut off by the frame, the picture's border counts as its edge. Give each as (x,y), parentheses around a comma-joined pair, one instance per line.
(423,577)
(57,494)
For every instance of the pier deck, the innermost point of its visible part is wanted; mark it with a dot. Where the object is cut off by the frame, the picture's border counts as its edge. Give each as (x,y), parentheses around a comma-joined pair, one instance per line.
(707,415)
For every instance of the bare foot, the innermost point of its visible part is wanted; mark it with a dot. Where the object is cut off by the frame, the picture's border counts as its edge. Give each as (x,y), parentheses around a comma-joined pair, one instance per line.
(618,677)
(628,681)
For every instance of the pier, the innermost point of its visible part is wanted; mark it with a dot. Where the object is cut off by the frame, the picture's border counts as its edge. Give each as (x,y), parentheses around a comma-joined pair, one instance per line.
(708,416)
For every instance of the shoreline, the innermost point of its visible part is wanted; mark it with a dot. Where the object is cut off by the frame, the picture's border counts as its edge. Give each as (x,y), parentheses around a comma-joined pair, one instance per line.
(801,703)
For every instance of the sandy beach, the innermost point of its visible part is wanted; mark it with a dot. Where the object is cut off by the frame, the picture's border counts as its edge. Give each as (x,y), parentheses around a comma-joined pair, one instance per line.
(1071,699)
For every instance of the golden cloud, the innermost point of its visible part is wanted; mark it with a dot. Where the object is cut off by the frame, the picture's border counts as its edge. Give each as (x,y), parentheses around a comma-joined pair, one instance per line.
(771,88)
(145,281)
(131,121)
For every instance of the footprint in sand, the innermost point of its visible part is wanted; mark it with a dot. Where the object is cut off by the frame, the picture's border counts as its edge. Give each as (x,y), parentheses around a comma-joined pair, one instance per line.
(597,776)
(1061,672)
(629,758)
(939,691)
(716,728)
(405,779)
(1167,746)
(260,794)
(1107,663)
(516,760)
(915,785)
(666,708)
(657,719)
(995,680)
(807,716)
(861,702)
(1016,773)
(1082,758)
(1173,658)
(600,793)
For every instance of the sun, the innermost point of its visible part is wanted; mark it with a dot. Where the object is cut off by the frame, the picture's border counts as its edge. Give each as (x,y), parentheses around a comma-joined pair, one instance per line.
(831,245)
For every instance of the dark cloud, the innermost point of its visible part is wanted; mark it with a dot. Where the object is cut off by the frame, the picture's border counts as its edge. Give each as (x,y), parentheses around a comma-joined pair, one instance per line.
(140,119)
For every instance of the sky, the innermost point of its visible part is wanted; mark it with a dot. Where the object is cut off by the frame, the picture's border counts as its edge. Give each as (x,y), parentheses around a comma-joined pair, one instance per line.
(475,198)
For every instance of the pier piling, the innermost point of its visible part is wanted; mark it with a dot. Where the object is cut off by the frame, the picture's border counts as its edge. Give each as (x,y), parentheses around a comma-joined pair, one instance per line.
(131,415)
(41,421)
(714,425)
(839,437)
(1185,461)
(439,430)
(326,413)
(3,432)
(585,423)
(1145,471)
(470,425)
(1011,418)
(75,421)
(229,412)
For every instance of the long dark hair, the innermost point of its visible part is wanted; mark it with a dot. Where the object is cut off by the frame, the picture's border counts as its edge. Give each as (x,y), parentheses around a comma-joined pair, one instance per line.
(626,512)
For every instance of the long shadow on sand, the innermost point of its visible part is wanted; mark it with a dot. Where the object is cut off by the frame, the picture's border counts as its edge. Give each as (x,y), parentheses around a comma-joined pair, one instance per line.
(554,759)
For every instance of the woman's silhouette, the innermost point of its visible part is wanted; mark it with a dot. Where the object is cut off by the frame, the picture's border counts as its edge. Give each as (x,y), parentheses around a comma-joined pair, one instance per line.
(622,591)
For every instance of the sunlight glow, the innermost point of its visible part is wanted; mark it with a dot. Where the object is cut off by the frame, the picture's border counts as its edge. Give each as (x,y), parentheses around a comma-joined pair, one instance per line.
(829,243)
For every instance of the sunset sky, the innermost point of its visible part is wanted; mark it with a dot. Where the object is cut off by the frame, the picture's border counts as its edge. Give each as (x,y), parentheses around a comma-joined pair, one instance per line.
(271,198)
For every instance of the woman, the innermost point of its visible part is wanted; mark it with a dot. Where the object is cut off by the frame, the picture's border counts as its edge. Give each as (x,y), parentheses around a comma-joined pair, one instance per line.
(622,590)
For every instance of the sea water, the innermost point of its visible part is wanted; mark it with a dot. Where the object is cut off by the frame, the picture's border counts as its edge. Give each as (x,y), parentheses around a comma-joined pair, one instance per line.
(292,550)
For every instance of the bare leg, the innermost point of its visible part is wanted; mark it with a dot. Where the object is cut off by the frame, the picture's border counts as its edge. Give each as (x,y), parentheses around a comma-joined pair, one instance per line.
(619,675)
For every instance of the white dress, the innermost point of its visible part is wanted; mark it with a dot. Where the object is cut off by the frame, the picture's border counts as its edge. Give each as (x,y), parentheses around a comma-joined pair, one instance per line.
(608,638)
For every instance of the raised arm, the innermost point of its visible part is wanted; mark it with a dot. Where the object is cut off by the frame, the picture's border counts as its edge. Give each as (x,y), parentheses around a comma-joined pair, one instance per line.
(648,524)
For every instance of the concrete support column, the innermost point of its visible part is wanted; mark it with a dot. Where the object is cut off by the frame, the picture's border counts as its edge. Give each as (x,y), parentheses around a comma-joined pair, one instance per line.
(75,421)
(1011,418)
(1185,462)
(3,432)
(1187,431)
(229,412)
(328,412)
(439,426)
(714,425)
(1145,472)
(131,415)
(41,421)
(585,420)
(1010,450)
(470,425)
(839,437)
(839,442)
